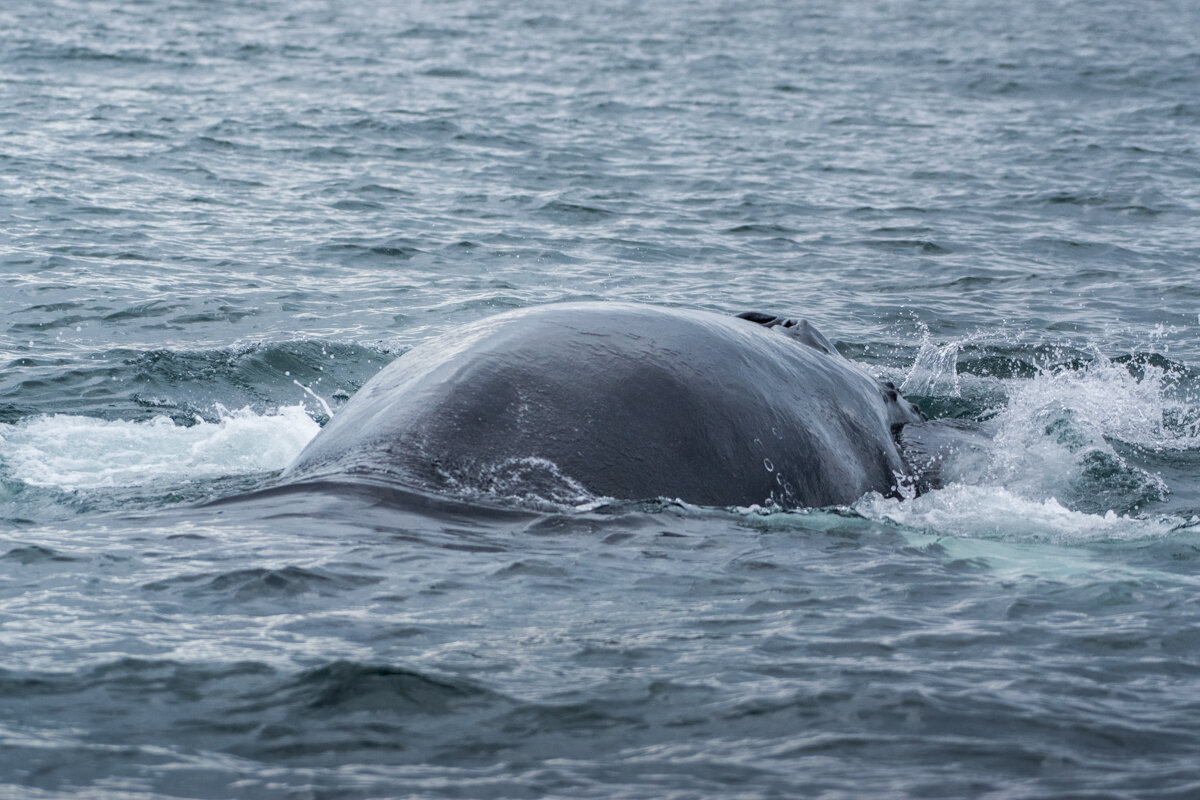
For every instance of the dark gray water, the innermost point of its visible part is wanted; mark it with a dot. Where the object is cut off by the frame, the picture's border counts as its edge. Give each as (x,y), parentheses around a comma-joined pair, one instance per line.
(217,219)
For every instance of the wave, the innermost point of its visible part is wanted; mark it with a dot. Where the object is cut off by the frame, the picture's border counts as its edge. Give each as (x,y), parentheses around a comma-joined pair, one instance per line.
(183,384)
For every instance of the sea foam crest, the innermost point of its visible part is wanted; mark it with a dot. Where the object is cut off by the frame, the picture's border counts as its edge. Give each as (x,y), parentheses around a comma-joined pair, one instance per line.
(73,452)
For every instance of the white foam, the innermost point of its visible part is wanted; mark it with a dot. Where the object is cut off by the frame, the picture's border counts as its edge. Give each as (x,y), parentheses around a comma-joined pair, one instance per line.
(73,452)
(994,512)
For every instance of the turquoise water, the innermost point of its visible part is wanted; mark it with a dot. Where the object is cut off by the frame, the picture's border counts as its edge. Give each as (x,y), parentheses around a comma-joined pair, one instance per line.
(217,221)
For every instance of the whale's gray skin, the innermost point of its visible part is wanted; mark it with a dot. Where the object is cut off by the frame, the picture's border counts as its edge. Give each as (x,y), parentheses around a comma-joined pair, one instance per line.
(632,402)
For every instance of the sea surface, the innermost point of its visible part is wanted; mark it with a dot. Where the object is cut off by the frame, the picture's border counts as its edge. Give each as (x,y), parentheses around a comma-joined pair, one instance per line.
(219,219)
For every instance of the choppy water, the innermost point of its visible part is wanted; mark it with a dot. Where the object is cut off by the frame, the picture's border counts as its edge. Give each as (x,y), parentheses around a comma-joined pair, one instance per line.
(216,219)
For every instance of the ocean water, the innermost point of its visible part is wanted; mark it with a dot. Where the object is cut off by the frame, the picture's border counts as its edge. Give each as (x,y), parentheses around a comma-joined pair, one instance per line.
(218,220)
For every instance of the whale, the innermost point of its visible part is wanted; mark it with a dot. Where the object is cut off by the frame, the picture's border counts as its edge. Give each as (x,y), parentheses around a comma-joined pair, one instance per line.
(621,401)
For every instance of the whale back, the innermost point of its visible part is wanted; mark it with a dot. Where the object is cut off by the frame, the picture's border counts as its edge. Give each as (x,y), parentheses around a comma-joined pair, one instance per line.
(628,401)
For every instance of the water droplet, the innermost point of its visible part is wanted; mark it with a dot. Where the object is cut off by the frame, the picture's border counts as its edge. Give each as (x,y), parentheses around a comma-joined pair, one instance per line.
(767,463)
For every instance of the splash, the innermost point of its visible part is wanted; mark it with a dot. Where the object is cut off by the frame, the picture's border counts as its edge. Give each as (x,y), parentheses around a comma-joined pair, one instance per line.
(935,370)
(1058,432)
(315,396)
(1070,459)
(73,452)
